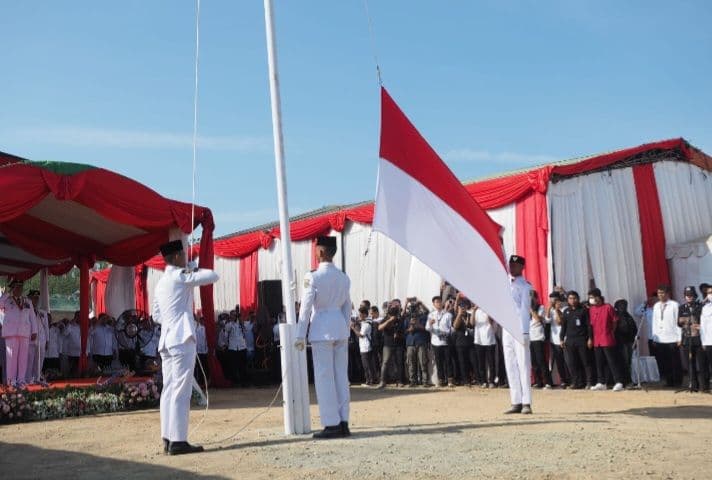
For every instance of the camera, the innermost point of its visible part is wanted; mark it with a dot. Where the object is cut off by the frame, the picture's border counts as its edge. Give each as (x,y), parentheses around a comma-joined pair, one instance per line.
(411,308)
(464,303)
(393,311)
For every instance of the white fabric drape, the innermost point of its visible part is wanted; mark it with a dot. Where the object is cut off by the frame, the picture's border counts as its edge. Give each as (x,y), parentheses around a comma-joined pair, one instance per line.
(690,264)
(685,193)
(596,235)
(269,262)
(120,295)
(152,278)
(226,291)
(301,263)
(505,216)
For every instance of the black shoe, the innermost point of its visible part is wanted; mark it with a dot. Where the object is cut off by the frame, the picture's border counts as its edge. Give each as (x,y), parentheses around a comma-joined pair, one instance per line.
(345,429)
(165,445)
(329,432)
(515,409)
(182,448)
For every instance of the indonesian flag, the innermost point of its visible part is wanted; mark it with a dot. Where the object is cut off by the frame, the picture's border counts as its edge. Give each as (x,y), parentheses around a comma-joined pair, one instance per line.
(424,208)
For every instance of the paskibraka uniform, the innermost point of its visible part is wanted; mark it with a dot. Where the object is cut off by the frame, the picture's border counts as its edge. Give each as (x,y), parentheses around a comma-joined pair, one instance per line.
(18,325)
(173,309)
(326,311)
(517,358)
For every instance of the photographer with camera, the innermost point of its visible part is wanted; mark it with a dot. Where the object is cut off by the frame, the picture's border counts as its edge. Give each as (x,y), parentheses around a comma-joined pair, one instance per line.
(362,327)
(485,346)
(440,326)
(464,342)
(417,340)
(393,342)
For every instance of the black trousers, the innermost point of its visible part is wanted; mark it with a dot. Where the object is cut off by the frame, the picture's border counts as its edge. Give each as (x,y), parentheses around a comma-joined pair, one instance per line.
(485,363)
(102,361)
(704,362)
(578,360)
(392,354)
(453,368)
(542,375)
(238,363)
(559,361)
(127,358)
(51,364)
(607,357)
(625,355)
(368,360)
(691,351)
(442,361)
(465,356)
(669,356)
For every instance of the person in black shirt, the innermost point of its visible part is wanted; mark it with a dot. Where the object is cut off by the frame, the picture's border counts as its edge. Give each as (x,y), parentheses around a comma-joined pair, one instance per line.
(576,339)
(464,342)
(393,342)
(626,332)
(689,320)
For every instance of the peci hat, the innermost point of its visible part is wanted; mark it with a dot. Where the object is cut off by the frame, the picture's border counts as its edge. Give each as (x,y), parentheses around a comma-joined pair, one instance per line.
(690,291)
(518,259)
(33,293)
(171,247)
(326,241)
(16,283)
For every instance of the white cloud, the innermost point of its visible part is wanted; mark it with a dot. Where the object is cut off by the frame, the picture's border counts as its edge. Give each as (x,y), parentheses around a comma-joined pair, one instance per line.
(100,137)
(507,158)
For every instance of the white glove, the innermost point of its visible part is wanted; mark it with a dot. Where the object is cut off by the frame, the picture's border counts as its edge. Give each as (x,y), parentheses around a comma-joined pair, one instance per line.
(191,266)
(299,344)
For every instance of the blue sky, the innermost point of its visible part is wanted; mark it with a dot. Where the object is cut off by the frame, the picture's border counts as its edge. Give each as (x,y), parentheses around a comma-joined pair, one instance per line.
(493,85)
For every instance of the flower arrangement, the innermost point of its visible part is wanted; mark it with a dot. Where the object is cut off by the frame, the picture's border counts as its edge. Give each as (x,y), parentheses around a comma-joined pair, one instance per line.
(14,407)
(50,404)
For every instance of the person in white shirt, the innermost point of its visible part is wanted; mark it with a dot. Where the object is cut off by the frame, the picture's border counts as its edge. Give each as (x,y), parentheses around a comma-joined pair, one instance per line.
(103,343)
(201,347)
(173,309)
(72,346)
(248,330)
(38,347)
(537,338)
(237,350)
(554,318)
(485,346)
(517,357)
(19,329)
(363,328)
(704,356)
(667,336)
(440,326)
(644,312)
(53,346)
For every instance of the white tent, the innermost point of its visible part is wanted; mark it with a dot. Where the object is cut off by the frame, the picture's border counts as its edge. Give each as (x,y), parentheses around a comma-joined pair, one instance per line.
(690,263)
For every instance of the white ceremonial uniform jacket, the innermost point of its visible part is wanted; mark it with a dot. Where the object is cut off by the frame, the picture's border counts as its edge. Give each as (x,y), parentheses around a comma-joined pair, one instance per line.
(18,321)
(326,305)
(173,304)
(522,301)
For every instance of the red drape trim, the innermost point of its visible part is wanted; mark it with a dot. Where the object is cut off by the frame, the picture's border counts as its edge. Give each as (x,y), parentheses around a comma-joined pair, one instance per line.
(141,288)
(652,232)
(248,283)
(532,229)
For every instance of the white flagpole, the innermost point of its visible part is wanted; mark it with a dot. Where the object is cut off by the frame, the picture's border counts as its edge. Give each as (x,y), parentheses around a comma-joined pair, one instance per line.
(294,386)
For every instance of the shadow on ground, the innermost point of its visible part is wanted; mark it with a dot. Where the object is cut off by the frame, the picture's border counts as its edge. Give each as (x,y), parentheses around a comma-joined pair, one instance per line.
(681,412)
(15,464)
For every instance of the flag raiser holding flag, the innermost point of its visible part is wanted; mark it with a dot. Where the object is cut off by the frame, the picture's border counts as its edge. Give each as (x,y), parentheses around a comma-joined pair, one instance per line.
(418,193)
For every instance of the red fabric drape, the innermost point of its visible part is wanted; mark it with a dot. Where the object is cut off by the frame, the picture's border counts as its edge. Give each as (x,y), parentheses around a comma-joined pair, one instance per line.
(652,232)
(83,309)
(141,288)
(248,283)
(314,260)
(100,279)
(532,229)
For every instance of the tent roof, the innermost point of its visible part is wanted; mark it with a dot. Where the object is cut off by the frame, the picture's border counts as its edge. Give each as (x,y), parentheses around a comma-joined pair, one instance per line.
(698,247)
(53,213)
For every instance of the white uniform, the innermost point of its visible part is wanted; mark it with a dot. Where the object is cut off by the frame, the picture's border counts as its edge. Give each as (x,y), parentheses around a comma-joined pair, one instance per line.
(173,309)
(19,324)
(517,358)
(37,349)
(326,311)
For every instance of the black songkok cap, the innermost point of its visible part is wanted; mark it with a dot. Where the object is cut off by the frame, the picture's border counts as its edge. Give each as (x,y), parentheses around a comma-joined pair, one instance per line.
(326,242)
(517,259)
(171,247)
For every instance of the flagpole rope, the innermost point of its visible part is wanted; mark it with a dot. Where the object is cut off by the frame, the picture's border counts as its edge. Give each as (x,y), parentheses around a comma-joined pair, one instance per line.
(372,36)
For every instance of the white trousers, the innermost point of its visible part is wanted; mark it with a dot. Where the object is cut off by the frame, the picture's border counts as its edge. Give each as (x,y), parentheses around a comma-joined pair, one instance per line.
(177,365)
(32,373)
(518,362)
(16,358)
(331,380)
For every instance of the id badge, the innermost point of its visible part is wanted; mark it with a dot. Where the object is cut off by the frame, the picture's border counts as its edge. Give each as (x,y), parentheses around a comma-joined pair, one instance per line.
(578,322)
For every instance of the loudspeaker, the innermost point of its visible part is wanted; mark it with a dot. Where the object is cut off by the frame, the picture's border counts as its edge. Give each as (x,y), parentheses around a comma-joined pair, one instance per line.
(270,296)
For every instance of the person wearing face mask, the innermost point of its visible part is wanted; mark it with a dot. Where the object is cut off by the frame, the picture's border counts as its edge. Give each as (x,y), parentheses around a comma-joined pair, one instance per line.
(603,326)
(689,321)
(704,358)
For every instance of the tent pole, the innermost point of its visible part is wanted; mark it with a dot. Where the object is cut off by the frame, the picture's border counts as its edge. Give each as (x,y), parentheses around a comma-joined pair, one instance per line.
(83,309)
(294,389)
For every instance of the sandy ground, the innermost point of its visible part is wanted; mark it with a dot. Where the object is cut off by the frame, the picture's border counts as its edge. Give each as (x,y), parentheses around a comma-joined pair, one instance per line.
(397,433)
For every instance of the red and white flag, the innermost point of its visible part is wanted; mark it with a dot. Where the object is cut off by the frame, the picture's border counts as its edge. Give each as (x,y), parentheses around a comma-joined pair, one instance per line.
(423,207)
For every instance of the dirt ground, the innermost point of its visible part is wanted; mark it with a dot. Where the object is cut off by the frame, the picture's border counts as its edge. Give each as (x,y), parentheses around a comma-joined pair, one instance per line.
(397,433)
